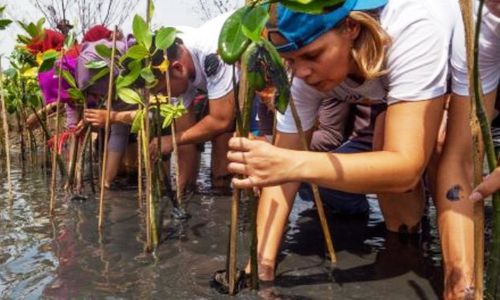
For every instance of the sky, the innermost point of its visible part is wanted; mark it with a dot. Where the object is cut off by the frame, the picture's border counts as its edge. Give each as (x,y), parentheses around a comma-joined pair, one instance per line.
(167,13)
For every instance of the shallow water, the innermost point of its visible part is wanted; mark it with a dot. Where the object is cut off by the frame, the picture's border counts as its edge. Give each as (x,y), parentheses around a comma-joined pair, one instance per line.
(65,257)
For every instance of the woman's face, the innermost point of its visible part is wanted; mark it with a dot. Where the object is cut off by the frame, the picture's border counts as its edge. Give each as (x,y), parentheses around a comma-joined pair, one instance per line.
(326,62)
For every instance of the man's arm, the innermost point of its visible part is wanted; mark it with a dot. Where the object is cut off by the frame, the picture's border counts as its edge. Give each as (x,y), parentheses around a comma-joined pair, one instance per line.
(219,119)
(97,117)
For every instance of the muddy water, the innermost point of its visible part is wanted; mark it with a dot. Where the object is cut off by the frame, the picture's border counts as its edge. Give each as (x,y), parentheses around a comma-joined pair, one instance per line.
(65,257)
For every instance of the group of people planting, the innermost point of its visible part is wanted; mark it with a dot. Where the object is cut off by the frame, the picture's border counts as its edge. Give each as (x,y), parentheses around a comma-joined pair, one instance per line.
(371,81)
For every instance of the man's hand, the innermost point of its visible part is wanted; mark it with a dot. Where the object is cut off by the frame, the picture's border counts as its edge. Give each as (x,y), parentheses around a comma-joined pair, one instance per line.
(32,122)
(166,147)
(489,185)
(96,117)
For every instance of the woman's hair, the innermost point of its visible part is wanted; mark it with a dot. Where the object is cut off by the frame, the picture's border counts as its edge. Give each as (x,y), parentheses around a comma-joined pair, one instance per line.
(369,48)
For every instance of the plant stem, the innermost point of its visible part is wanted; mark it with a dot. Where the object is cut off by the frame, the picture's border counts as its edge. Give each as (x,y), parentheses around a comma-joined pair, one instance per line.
(60,162)
(231,261)
(55,149)
(247,98)
(106,130)
(5,131)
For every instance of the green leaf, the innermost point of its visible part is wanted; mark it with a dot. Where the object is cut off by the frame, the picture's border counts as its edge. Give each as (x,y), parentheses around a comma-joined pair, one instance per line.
(2,9)
(103,51)
(49,55)
(4,23)
(69,78)
(232,41)
(167,121)
(254,23)
(135,71)
(151,9)
(23,39)
(96,64)
(165,37)
(137,52)
(279,78)
(311,6)
(39,24)
(171,112)
(148,75)
(31,30)
(76,95)
(141,32)
(129,96)
(96,77)
(47,64)
(138,121)
(152,84)
(69,40)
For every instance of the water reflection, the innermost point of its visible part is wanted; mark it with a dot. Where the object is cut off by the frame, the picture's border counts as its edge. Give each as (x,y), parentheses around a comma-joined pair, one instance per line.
(66,257)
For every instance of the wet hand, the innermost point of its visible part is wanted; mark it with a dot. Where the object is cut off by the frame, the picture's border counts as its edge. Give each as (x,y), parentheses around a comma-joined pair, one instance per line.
(490,184)
(260,162)
(166,147)
(32,122)
(96,117)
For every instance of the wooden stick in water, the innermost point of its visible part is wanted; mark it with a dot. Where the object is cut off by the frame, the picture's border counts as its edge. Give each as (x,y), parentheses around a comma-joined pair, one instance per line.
(178,190)
(106,129)
(5,130)
(55,147)
(317,197)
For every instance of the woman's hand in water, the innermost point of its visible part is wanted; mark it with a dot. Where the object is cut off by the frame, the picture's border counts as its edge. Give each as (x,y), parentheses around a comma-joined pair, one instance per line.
(261,163)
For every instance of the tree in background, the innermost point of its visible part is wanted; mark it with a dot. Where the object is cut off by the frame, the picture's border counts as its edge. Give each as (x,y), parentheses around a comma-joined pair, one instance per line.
(211,9)
(84,13)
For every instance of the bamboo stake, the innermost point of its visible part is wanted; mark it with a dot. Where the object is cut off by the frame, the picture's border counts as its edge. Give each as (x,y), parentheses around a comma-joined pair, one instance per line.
(107,127)
(150,203)
(5,130)
(317,197)
(477,153)
(139,169)
(144,144)
(174,140)
(20,134)
(492,289)
(480,127)
(477,105)
(55,149)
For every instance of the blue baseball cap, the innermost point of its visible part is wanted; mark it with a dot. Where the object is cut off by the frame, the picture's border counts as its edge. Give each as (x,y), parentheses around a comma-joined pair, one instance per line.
(300,29)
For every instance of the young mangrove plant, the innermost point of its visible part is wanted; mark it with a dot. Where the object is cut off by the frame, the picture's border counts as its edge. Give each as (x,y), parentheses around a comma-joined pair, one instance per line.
(261,68)
(136,70)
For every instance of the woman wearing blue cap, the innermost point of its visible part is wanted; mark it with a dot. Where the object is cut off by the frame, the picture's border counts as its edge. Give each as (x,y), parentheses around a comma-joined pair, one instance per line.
(380,51)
